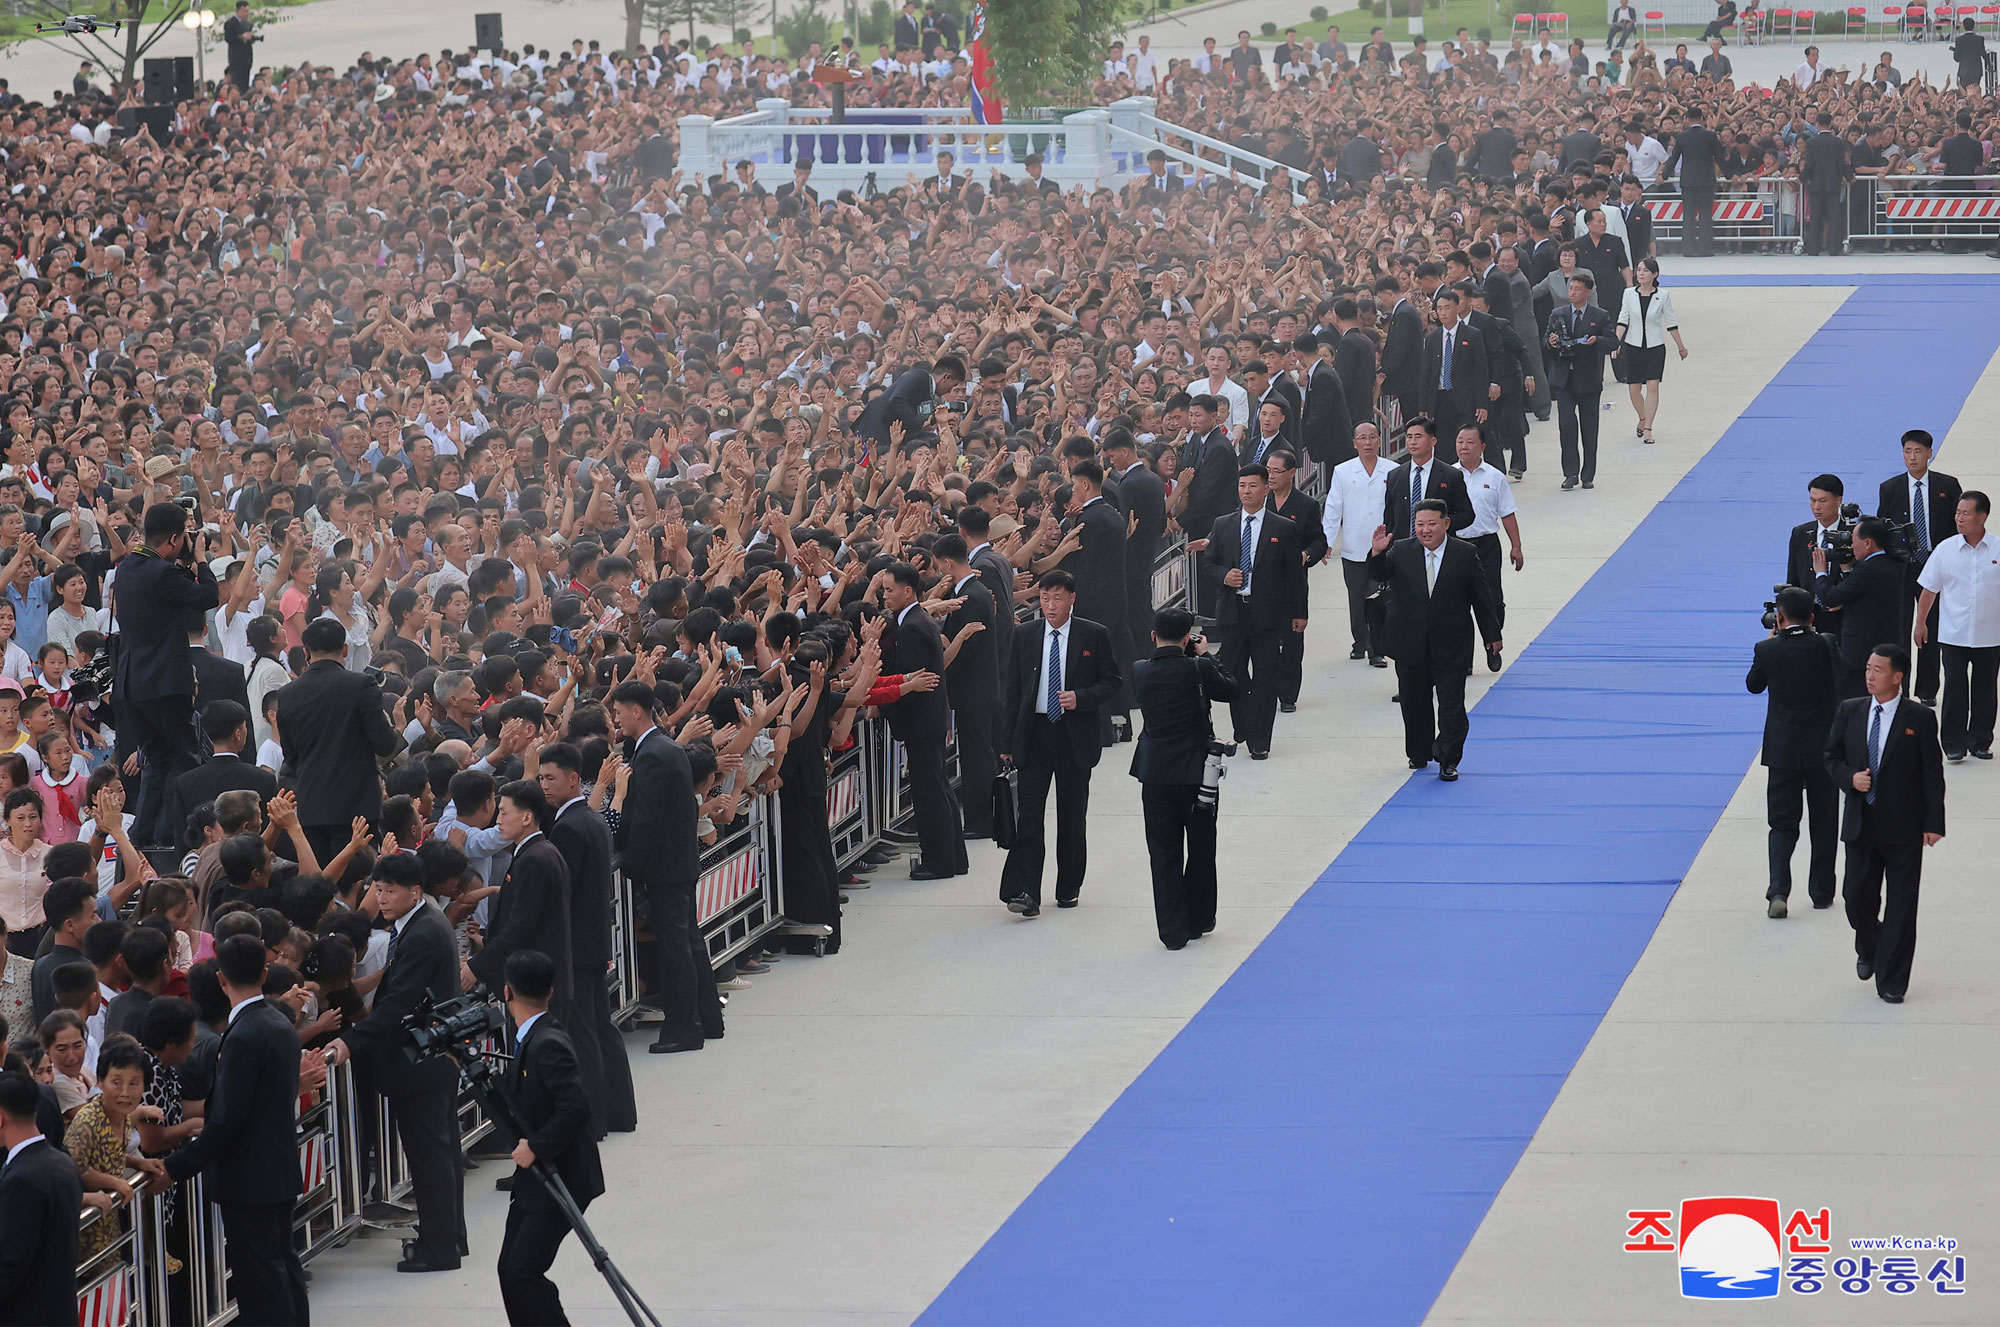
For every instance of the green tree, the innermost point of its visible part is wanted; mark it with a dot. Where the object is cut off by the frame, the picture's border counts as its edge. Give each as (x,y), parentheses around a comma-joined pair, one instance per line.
(114,50)
(1042,47)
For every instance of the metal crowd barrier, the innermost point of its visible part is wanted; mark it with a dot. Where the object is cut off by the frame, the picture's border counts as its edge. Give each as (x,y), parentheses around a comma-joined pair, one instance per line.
(1899,210)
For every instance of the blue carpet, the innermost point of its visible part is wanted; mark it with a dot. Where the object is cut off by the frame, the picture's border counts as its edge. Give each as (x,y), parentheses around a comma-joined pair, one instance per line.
(1321,1141)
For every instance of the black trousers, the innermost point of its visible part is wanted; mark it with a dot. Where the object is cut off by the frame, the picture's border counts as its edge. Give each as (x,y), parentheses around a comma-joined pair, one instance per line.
(1252,655)
(1180,840)
(536,1228)
(1787,794)
(239,74)
(1291,665)
(1487,546)
(1577,419)
(687,978)
(265,1273)
(977,764)
(427,1124)
(939,836)
(1826,221)
(1433,701)
(1965,720)
(1885,934)
(163,731)
(600,1053)
(1365,616)
(1697,222)
(1047,757)
(1924,661)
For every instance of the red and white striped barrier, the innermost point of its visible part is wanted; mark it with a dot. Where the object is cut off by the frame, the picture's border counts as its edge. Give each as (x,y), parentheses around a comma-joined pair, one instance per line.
(108,1303)
(1728,210)
(725,885)
(1942,209)
(312,1161)
(843,799)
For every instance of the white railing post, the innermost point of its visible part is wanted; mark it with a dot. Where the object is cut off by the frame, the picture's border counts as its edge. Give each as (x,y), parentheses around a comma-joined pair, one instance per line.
(1130,113)
(1087,145)
(695,149)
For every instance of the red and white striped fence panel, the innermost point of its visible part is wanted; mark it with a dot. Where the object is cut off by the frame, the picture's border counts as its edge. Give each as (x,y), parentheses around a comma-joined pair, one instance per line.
(108,1303)
(1942,209)
(843,799)
(725,885)
(1727,210)
(312,1161)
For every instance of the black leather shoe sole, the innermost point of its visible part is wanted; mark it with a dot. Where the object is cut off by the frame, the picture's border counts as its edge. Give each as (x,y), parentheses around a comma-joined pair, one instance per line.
(1863,969)
(1067,902)
(672,1047)
(1449,774)
(1288,707)
(1419,764)
(925,873)
(1891,999)
(1024,906)
(1377,661)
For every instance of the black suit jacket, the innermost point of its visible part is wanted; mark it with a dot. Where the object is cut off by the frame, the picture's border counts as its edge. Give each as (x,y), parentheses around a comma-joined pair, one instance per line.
(1441,481)
(1303,511)
(1579,369)
(220,773)
(1286,393)
(1826,165)
(1099,566)
(550,1099)
(1941,495)
(909,391)
(918,646)
(333,728)
(531,912)
(1326,429)
(1801,668)
(1433,624)
(909,36)
(974,675)
(40,1196)
(1798,557)
(1909,780)
(1360,161)
(1354,361)
(1579,145)
(1471,371)
(1090,669)
(248,1150)
(1212,490)
(1493,153)
(1145,495)
(1870,599)
(1277,574)
(1173,690)
(1638,230)
(1696,150)
(156,598)
(584,841)
(425,963)
(217,678)
(656,835)
(1403,351)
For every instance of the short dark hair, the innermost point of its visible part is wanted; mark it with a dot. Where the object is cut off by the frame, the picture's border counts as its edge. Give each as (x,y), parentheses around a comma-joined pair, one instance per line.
(240,960)
(632,693)
(1795,605)
(163,520)
(1898,657)
(531,975)
(323,635)
(20,1095)
(400,868)
(222,718)
(528,795)
(1057,580)
(66,898)
(1253,470)
(1827,484)
(1430,504)
(1874,529)
(563,755)
(1173,624)
(145,952)
(1980,502)
(168,1021)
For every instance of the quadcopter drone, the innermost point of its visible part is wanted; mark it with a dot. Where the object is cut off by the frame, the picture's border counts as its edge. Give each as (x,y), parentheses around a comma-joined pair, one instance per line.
(77,25)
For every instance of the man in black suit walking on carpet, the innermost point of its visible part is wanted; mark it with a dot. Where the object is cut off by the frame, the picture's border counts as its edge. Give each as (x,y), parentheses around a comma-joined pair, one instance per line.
(546,1090)
(40,1196)
(1926,500)
(1868,594)
(1580,334)
(1256,565)
(248,1149)
(1064,670)
(921,721)
(1302,510)
(1423,476)
(1436,595)
(1801,670)
(423,961)
(1457,373)
(1883,755)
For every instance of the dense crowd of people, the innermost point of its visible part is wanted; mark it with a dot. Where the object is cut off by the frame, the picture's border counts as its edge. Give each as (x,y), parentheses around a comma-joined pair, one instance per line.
(407,462)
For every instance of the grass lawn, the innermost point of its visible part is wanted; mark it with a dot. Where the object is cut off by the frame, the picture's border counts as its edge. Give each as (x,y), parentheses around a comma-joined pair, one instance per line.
(1443,20)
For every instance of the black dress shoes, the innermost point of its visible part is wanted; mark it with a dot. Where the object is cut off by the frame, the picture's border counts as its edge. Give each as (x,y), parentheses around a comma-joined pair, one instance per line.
(1358,652)
(416,1260)
(505,1184)
(1255,754)
(1986,754)
(1888,998)
(672,1047)
(922,872)
(1418,764)
(1067,902)
(1377,661)
(1448,774)
(1569,484)
(1024,905)
(1288,706)
(1863,969)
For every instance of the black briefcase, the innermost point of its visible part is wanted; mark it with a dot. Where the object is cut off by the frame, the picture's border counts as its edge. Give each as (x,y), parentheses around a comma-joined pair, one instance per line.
(1006,819)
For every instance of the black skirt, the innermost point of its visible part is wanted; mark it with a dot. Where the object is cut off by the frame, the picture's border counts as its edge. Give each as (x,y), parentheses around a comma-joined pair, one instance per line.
(1643,363)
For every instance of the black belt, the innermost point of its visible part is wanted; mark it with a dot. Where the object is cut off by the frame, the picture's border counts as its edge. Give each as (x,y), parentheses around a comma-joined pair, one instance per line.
(1493,538)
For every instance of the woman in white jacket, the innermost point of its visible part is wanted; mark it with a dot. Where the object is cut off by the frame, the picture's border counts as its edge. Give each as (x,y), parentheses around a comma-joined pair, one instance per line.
(1644,323)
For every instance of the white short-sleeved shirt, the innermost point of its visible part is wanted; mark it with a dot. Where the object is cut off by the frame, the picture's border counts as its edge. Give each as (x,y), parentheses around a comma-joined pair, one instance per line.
(1492,499)
(1966,580)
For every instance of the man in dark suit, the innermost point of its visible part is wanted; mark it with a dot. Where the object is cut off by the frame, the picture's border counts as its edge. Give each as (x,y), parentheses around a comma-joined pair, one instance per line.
(584,841)
(1823,496)
(333,730)
(1289,501)
(1145,496)
(1401,374)
(1580,334)
(1354,356)
(228,727)
(1436,595)
(215,678)
(921,721)
(972,680)
(1458,377)
(1926,500)
(1173,688)
(907,400)
(1869,596)
(1801,669)
(532,910)
(909,28)
(1267,382)
(423,961)
(659,851)
(1326,431)
(248,1149)
(1695,154)
(40,1196)
(1423,476)
(1883,755)
(1360,157)
(1638,219)
(1063,671)
(1506,428)
(1825,170)
(547,1092)
(1211,491)
(1264,435)
(159,587)
(1580,144)
(1099,564)
(1256,563)
(1493,149)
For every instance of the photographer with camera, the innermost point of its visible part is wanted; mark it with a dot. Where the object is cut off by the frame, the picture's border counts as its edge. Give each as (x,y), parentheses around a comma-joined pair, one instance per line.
(162,586)
(1869,596)
(551,1105)
(1176,750)
(1801,670)
(422,964)
(333,729)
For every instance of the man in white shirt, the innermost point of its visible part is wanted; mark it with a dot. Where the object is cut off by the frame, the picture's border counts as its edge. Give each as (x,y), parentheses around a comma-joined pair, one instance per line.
(1809,72)
(1493,510)
(1962,578)
(1145,68)
(1645,153)
(1354,497)
(1219,385)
